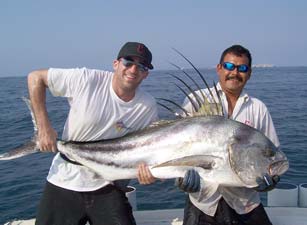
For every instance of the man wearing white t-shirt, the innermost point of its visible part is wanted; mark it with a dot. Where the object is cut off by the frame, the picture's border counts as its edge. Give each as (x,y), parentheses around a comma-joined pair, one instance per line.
(103,105)
(231,205)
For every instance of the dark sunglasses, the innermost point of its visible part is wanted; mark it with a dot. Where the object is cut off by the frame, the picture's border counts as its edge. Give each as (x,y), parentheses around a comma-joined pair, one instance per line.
(129,63)
(230,66)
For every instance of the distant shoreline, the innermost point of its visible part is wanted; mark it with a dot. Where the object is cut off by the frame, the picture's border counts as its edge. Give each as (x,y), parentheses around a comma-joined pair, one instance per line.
(263,66)
(187,69)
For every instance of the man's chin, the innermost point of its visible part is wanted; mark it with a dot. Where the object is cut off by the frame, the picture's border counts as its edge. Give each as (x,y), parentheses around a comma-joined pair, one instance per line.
(131,85)
(235,88)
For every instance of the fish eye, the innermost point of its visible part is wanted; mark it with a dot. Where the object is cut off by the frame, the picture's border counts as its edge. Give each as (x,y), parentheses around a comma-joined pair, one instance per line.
(268,152)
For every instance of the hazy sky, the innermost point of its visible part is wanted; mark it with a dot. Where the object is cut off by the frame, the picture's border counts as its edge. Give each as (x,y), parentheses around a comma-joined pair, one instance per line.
(73,33)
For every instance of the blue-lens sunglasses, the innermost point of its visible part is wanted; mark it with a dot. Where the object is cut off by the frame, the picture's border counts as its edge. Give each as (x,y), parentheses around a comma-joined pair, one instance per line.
(129,63)
(230,66)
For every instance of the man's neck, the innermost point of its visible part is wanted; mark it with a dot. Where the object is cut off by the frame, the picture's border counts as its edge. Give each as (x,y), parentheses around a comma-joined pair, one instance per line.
(232,99)
(126,96)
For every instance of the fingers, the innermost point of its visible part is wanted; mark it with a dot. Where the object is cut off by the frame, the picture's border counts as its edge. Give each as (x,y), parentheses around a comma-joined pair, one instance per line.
(190,183)
(47,140)
(48,145)
(178,182)
(268,183)
(188,180)
(144,175)
(275,179)
(196,184)
(268,180)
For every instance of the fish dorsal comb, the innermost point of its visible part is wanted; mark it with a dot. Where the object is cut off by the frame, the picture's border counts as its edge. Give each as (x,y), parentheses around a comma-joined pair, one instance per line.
(203,104)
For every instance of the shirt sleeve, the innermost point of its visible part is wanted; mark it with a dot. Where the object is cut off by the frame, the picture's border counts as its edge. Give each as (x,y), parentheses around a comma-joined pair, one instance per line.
(268,128)
(66,82)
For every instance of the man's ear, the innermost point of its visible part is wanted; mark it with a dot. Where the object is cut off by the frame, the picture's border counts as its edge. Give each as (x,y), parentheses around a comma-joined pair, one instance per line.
(115,64)
(218,69)
(146,75)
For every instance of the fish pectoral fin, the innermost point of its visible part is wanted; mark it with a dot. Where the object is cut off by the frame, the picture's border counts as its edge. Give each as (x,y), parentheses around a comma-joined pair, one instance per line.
(203,161)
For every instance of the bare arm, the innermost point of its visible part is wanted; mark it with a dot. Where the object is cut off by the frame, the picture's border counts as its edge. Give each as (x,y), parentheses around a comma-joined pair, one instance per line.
(37,84)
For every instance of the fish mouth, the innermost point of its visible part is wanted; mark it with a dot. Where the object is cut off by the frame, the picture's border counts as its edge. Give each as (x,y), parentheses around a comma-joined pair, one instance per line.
(279,167)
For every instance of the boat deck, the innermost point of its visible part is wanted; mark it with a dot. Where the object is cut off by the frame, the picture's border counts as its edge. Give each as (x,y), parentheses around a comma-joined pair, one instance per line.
(278,216)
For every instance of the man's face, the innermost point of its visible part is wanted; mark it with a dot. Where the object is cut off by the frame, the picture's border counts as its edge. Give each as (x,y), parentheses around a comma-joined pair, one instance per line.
(129,74)
(233,81)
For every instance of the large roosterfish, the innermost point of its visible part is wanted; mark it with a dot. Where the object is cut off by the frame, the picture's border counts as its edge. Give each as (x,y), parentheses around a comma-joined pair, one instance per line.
(223,151)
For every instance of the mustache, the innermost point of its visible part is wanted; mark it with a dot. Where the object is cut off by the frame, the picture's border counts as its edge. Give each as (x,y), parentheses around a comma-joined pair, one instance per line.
(237,77)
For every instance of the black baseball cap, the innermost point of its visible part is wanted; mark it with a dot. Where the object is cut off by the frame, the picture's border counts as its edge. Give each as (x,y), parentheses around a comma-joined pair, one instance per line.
(136,49)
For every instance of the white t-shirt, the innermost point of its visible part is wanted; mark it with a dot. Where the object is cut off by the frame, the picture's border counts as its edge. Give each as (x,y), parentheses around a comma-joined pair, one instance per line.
(96,113)
(250,111)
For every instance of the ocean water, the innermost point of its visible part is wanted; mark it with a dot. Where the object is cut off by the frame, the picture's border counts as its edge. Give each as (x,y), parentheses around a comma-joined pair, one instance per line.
(282,89)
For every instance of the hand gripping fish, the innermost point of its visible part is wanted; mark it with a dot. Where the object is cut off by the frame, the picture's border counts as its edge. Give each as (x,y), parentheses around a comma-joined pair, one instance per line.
(223,151)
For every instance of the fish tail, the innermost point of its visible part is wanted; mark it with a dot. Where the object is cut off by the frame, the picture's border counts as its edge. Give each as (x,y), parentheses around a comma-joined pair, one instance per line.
(27,148)
(29,105)
(23,150)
